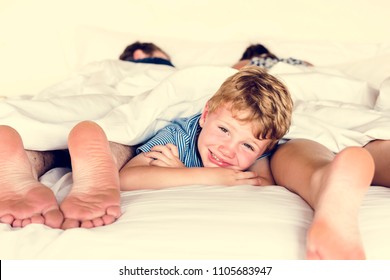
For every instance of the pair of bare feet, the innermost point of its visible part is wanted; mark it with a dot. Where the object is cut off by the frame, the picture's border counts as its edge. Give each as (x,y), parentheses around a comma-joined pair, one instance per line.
(95,196)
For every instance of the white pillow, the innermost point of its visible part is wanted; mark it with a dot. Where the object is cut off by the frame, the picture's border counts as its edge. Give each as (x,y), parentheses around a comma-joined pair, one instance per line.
(383,101)
(326,84)
(90,44)
(85,44)
(373,70)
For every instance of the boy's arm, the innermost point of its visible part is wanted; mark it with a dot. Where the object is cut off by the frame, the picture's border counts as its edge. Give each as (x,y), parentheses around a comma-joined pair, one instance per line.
(263,169)
(138,173)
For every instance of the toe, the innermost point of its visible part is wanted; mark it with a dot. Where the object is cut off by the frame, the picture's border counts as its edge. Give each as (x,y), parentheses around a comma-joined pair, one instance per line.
(53,218)
(7,219)
(70,223)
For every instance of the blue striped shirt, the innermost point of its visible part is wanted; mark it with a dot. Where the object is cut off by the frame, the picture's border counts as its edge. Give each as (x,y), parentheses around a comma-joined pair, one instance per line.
(183,133)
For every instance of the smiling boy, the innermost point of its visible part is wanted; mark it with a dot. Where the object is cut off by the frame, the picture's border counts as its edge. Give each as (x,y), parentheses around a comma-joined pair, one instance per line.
(238,127)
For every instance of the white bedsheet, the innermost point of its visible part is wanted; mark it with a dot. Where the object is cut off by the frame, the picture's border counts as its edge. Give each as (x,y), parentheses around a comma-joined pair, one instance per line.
(193,222)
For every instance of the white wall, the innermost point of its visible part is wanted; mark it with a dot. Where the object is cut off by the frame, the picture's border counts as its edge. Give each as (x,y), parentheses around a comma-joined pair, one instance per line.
(32,42)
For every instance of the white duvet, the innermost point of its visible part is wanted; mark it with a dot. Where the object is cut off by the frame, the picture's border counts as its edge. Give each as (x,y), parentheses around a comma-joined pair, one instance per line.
(131,101)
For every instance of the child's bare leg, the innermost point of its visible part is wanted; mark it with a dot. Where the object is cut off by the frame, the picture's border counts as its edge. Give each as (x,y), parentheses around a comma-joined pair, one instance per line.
(95,197)
(23,200)
(334,187)
(380,151)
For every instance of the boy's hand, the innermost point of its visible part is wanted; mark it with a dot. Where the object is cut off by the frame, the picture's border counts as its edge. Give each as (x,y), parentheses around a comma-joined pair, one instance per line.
(165,156)
(230,177)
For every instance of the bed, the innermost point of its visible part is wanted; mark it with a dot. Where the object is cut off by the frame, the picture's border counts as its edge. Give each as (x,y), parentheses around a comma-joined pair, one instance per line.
(343,100)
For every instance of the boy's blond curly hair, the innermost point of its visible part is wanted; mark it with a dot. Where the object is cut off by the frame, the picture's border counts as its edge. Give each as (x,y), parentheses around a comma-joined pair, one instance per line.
(253,95)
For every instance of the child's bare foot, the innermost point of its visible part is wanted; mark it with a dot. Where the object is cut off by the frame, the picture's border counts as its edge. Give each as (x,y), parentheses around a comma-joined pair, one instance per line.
(23,200)
(95,196)
(334,233)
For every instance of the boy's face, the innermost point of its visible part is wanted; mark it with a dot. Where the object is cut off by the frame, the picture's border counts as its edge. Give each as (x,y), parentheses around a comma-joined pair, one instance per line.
(227,142)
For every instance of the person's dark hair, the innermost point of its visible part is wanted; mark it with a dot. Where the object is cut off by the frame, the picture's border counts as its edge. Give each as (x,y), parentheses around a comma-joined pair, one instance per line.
(256,50)
(147,48)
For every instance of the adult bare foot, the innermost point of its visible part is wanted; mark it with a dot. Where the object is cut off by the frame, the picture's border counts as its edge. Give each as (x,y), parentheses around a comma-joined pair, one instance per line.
(23,200)
(95,196)
(334,233)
